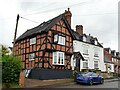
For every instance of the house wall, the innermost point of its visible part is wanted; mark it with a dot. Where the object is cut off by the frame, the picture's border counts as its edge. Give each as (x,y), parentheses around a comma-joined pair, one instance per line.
(78,47)
(44,48)
(107,67)
(115,60)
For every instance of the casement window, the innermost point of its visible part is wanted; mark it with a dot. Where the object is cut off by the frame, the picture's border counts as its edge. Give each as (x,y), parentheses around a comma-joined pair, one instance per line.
(85,64)
(32,41)
(58,58)
(95,64)
(96,52)
(85,49)
(31,56)
(59,39)
(109,66)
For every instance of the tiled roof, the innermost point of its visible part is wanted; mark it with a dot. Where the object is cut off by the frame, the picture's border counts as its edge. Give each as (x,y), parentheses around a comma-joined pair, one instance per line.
(89,39)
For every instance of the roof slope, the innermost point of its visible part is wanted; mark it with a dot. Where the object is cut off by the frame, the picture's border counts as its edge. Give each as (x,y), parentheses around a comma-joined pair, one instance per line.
(89,39)
(44,27)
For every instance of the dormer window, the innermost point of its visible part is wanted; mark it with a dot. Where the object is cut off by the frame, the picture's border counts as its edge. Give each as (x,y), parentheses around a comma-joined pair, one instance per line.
(95,42)
(109,51)
(84,38)
(114,53)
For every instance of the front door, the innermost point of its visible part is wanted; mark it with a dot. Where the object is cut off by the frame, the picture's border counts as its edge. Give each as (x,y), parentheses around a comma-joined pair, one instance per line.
(78,64)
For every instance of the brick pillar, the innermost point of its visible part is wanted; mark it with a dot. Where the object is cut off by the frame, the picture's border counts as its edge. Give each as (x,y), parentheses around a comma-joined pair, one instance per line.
(22,79)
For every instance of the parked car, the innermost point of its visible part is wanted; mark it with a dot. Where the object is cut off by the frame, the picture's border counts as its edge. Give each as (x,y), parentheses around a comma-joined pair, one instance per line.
(89,78)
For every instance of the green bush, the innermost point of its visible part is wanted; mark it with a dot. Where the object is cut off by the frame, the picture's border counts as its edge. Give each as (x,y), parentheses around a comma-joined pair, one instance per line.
(11,67)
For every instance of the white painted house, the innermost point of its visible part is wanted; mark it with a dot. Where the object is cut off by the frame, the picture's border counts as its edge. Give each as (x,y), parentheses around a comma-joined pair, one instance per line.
(90,49)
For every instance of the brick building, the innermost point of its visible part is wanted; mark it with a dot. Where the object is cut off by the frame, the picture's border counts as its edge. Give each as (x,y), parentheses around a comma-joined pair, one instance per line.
(46,50)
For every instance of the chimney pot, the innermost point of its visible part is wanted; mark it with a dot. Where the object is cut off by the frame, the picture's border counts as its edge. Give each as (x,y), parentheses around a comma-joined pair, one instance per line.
(68,9)
(79,29)
(68,16)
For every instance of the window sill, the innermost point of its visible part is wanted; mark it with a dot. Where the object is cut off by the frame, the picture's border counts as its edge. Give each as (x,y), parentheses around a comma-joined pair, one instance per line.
(58,64)
(85,54)
(96,56)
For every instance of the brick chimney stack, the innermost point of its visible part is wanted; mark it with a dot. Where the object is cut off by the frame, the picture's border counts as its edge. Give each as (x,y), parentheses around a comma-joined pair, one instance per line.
(79,29)
(68,15)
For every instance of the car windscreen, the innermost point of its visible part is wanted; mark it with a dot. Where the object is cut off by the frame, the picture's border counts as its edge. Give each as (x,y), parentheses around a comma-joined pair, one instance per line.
(86,74)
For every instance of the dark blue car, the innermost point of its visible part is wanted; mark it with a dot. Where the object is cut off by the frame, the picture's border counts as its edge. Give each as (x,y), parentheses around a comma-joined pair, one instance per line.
(89,78)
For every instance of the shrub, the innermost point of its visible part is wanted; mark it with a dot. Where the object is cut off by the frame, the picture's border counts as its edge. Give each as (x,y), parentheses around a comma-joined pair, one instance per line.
(11,67)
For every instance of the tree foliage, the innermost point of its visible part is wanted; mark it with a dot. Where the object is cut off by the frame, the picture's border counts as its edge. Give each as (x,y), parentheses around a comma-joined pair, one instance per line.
(4,50)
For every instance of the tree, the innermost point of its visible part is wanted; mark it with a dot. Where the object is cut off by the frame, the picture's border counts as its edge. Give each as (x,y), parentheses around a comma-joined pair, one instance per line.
(4,50)
(11,68)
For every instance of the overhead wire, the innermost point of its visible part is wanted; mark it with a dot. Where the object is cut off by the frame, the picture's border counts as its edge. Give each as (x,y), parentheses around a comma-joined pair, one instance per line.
(55,9)
(28,19)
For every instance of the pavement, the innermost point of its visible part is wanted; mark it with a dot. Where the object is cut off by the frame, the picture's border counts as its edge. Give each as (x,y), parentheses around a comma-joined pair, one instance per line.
(33,83)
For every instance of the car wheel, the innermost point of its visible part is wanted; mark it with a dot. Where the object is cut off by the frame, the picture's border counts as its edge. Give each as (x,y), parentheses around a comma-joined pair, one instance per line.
(91,83)
(102,81)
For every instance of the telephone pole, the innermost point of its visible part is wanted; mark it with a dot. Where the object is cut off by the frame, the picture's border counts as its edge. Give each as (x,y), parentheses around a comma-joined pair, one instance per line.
(15,31)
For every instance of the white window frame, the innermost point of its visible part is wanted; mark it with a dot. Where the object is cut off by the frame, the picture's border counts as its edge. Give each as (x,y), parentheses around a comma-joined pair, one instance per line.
(61,40)
(95,42)
(85,49)
(31,58)
(32,40)
(57,58)
(110,67)
(96,64)
(84,39)
(96,52)
(85,62)
(56,38)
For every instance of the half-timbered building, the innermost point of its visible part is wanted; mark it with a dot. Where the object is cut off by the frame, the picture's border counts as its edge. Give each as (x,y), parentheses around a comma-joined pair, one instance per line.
(49,46)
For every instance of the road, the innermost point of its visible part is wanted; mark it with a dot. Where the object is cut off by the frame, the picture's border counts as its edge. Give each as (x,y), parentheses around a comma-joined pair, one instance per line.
(112,84)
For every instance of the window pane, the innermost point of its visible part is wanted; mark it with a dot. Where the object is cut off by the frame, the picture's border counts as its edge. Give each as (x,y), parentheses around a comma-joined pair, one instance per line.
(61,40)
(59,58)
(55,38)
(31,56)
(85,49)
(85,64)
(32,41)
(95,64)
(55,57)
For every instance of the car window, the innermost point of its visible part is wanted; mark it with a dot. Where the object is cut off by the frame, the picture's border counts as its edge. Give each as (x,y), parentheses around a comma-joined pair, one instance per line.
(87,74)
(94,74)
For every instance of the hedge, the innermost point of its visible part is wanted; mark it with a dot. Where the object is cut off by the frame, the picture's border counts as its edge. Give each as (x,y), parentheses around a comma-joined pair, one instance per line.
(11,67)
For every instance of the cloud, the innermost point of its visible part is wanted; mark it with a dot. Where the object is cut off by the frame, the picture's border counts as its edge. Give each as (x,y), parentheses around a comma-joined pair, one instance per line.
(89,13)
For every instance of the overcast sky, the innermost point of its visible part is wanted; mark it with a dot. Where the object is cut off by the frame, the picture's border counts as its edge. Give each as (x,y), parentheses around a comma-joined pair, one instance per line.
(98,17)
